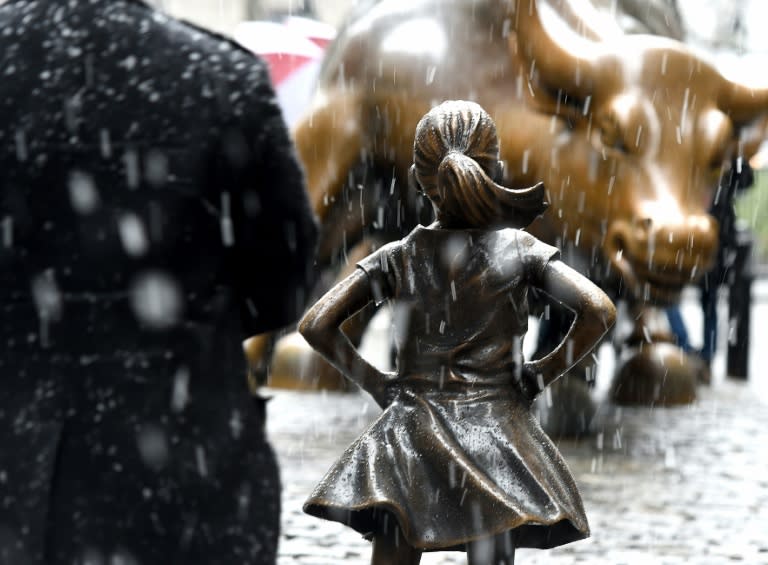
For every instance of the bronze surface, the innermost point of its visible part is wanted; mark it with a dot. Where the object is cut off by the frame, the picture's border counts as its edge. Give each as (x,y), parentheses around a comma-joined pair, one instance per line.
(457,458)
(630,133)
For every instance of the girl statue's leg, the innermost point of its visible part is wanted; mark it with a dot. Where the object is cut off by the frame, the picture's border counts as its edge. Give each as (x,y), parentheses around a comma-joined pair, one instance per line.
(390,546)
(496,550)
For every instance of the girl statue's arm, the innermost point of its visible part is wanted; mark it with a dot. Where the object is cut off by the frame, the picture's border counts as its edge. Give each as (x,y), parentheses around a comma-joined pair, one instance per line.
(595,315)
(321,327)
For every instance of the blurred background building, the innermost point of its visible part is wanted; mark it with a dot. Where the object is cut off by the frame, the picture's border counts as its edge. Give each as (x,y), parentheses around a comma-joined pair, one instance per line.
(224,15)
(729,24)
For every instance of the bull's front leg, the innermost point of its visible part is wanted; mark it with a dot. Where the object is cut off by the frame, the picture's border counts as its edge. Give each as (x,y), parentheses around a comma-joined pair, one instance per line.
(567,408)
(329,141)
(653,368)
(291,363)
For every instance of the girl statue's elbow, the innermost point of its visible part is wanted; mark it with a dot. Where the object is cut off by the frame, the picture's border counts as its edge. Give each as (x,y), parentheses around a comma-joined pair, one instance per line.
(609,314)
(309,329)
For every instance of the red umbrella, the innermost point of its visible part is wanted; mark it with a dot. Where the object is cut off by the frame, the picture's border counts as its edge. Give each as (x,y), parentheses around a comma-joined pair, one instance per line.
(293,50)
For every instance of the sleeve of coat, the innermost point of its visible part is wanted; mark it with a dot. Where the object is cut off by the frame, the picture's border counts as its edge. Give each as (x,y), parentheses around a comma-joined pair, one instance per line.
(268,229)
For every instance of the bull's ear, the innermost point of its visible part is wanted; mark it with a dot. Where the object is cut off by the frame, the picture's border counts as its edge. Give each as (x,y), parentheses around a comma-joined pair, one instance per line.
(413,183)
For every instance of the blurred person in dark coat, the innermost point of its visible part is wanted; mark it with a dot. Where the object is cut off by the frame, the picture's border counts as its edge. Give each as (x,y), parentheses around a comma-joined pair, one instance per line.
(152,216)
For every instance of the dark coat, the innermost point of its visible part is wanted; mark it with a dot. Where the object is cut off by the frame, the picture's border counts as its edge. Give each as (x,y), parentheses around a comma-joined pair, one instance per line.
(152,216)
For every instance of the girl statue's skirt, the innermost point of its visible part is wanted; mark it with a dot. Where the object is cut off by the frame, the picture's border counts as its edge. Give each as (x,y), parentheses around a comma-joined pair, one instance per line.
(453,467)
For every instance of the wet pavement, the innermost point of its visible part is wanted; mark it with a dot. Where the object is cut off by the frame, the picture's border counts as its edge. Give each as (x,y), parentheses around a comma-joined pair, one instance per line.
(660,485)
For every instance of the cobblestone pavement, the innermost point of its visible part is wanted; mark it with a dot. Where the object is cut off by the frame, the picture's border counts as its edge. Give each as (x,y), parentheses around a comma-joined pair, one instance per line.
(666,486)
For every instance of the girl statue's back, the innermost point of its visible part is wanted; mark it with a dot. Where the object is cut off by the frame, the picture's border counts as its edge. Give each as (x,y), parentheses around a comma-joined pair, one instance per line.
(457,461)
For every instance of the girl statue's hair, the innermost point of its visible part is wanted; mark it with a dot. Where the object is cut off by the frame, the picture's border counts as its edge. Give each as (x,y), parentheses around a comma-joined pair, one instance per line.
(456,164)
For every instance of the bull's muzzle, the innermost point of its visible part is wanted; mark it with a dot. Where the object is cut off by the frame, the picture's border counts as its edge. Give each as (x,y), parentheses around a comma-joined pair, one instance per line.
(656,258)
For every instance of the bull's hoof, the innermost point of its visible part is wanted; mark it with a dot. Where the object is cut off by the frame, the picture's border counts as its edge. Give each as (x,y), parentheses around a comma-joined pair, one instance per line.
(659,374)
(566,409)
(701,369)
(296,366)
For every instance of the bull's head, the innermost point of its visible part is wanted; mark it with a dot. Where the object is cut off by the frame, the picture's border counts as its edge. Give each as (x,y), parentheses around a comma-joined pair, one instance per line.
(645,129)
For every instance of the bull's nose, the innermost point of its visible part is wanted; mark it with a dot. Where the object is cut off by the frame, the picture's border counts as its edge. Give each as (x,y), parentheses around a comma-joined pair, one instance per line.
(689,246)
(628,238)
(679,250)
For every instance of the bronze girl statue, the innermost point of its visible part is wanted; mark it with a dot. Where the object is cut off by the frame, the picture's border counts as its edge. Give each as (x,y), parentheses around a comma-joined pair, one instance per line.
(457,460)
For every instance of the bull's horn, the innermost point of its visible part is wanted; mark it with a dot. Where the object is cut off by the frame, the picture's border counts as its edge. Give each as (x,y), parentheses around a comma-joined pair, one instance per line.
(571,64)
(586,20)
(742,103)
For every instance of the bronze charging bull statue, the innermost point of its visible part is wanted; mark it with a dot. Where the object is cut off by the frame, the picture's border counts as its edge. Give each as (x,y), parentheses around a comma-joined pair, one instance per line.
(629,133)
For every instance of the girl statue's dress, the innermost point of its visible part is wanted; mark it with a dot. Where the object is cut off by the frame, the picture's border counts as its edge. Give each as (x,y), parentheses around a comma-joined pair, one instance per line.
(458,454)
(457,458)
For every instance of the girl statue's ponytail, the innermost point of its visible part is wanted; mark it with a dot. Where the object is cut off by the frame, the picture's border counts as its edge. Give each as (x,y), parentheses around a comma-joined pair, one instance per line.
(456,154)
